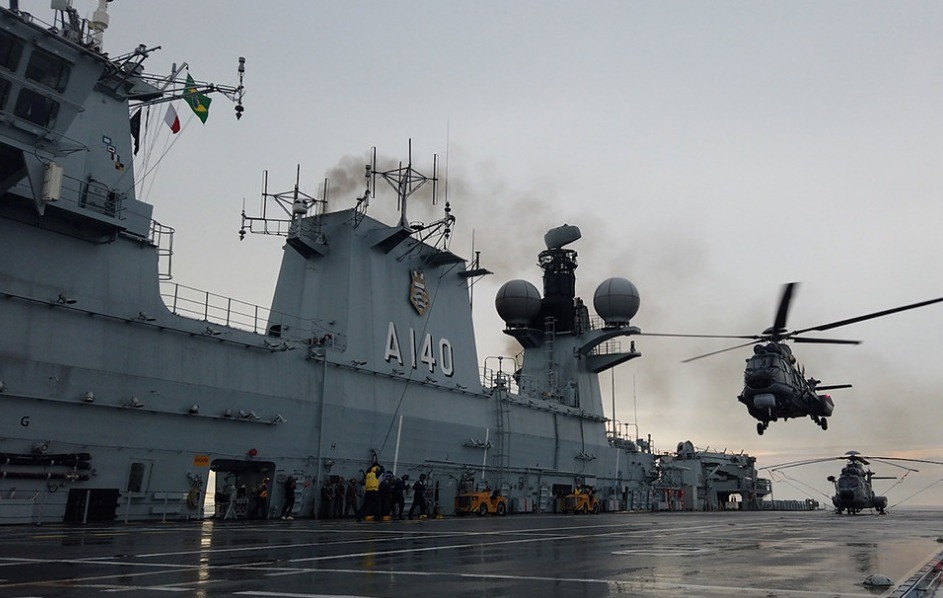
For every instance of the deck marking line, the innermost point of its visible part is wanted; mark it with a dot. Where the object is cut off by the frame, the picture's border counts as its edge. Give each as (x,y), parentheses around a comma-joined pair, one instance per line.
(625,583)
(453,546)
(293,595)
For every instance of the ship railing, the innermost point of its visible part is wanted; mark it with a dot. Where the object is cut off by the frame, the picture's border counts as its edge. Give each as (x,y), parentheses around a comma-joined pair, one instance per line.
(607,348)
(520,384)
(91,196)
(83,36)
(226,311)
(210,307)
(494,378)
(162,237)
(501,372)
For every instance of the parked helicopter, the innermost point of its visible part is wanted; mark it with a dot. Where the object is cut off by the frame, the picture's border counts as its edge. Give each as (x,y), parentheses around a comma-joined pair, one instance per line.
(775,386)
(853,489)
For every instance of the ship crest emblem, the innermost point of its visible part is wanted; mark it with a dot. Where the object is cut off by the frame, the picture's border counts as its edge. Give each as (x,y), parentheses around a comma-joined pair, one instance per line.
(418,294)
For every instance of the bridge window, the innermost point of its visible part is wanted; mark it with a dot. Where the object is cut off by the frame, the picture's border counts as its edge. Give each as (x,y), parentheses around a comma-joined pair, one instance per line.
(48,70)
(36,108)
(10,51)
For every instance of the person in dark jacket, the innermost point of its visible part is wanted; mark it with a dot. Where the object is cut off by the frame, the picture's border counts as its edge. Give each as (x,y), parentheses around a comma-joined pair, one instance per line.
(290,484)
(419,496)
(327,496)
(339,499)
(399,496)
(350,498)
(386,487)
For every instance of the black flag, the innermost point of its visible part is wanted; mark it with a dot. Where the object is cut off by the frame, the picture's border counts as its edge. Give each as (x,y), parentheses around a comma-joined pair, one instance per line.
(136,130)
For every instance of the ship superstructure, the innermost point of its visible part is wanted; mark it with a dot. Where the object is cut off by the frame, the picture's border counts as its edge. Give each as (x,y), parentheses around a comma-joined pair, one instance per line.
(122,394)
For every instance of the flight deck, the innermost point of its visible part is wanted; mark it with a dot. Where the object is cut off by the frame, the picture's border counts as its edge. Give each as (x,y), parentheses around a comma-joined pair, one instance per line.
(781,554)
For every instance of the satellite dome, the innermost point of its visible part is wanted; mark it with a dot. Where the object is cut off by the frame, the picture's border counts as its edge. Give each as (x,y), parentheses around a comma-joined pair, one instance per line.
(517,302)
(616,301)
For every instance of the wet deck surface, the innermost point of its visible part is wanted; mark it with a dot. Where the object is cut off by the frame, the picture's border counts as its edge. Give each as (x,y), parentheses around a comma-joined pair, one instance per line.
(780,554)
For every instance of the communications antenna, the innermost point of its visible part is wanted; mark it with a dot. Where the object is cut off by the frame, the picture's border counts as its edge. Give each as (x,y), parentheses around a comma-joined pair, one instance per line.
(291,206)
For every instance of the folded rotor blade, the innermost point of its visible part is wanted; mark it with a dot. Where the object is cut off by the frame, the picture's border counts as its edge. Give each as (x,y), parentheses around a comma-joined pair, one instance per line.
(877,314)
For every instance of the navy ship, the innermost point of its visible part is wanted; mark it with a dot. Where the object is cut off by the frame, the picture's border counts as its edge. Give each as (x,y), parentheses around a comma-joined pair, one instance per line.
(126,395)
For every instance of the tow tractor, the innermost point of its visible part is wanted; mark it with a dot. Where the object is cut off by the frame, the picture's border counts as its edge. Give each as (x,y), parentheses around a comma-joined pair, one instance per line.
(581,500)
(483,502)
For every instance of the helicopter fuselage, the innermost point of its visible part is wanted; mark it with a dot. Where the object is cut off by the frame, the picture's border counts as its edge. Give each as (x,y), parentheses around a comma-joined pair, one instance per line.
(853,491)
(774,388)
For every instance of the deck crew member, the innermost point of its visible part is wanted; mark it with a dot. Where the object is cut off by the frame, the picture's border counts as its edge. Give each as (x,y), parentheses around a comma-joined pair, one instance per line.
(419,496)
(371,484)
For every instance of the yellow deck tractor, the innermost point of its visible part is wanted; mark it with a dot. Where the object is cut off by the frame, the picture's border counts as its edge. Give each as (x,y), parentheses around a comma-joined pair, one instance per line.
(582,500)
(482,502)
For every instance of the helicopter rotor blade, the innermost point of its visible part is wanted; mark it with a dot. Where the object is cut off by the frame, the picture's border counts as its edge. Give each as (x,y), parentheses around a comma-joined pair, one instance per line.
(928,461)
(876,314)
(779,324)
(827,341)
(879,460)
(779,466)
(672,335)
(853,457)
(716,352)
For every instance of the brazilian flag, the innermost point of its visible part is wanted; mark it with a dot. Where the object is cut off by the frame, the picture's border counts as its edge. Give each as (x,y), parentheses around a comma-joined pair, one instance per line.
(199,102)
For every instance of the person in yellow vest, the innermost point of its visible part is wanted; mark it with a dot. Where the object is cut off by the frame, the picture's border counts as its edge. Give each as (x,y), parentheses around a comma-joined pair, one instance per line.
(260,510)
(371,486)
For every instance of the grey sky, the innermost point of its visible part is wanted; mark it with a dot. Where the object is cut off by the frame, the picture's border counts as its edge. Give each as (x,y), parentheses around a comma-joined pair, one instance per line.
(709,151)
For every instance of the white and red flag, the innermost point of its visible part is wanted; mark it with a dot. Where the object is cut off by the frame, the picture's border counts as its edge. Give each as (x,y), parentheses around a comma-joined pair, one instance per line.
(171,118)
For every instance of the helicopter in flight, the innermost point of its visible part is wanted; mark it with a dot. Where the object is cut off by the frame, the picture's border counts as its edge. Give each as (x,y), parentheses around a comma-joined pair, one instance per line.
(853,488)
(775,385)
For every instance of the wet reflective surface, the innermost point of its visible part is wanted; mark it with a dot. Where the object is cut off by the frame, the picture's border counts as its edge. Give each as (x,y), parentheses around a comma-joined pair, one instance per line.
(767,554)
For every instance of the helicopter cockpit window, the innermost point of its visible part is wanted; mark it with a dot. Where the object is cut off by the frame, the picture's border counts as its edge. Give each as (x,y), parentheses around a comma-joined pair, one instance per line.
(760,362)
(48,70)
(10,50)
(848,483)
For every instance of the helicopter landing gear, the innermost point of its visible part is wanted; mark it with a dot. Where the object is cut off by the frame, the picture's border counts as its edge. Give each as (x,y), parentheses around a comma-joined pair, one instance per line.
(824,423)
(761,427)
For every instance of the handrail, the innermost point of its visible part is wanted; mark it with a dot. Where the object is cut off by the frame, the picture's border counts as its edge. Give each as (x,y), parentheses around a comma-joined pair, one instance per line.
(217,309)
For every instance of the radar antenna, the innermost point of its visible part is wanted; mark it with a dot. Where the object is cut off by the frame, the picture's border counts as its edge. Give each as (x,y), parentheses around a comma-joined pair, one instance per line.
(405,180)
(294,205)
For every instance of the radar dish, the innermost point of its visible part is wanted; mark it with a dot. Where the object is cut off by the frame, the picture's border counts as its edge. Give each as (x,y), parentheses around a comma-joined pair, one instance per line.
(517,302)
(616,301)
